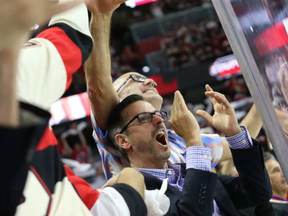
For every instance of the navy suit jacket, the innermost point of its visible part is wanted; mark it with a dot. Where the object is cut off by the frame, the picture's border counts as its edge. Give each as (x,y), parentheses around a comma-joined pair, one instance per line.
(251,188)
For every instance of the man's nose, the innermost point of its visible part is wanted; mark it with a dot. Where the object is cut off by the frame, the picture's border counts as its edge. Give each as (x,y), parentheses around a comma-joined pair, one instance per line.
(149,82)
(157,120)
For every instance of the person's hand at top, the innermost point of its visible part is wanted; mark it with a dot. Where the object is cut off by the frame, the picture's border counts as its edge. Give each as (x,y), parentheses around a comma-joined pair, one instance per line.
(17,17)
(103,7)
(224,118)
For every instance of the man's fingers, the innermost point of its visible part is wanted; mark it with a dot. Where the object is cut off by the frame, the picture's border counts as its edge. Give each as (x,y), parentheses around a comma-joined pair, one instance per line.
(208,87)
(178,105)
(222,100)
(211,95)
(173,109)
(59,8)
(180,100)
(205,115)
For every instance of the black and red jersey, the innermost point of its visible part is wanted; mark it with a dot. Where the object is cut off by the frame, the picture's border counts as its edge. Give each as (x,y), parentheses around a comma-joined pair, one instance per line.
(46,66)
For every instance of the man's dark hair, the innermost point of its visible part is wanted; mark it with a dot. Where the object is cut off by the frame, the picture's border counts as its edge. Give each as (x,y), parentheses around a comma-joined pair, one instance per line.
(116,121)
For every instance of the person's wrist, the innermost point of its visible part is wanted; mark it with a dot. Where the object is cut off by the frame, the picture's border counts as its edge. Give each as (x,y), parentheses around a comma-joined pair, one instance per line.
(101,23)
(10,52)
(232,131)
(193,141)
(97,16)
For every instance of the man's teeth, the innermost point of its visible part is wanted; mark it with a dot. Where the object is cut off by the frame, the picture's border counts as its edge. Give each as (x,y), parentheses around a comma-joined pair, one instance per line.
(161,133)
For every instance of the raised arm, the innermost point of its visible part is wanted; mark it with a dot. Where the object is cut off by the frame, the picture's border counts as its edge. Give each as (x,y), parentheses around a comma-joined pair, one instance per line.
(198,165)
(9,113)
(98,66)
(253,122)
(252,187)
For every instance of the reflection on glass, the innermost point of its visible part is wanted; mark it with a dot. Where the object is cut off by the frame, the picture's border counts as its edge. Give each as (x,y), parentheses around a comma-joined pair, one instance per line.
(258,32)
(265,26)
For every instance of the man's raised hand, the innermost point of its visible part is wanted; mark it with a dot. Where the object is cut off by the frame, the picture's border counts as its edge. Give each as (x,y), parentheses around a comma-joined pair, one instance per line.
(183,122)
(224,118)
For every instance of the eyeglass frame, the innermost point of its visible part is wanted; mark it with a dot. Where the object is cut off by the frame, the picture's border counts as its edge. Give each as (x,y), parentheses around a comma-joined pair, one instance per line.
(151,118)
(132,77)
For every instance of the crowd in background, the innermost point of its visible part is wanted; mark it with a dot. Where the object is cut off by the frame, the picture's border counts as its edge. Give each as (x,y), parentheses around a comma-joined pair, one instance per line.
(186,45)
(193,43)
(161,8)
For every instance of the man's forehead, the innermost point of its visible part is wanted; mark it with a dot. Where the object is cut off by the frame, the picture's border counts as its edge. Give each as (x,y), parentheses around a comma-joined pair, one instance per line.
(138,107)
(271,164)
(122,78)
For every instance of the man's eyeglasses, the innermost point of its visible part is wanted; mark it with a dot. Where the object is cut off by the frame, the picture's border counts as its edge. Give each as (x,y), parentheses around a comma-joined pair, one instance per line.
(136,78)
(146,117)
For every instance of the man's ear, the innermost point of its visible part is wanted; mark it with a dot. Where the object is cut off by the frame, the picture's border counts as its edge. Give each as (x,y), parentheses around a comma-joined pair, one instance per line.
(123,141)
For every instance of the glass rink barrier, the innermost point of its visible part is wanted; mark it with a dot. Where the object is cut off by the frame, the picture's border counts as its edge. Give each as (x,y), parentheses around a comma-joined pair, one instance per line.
(258,33)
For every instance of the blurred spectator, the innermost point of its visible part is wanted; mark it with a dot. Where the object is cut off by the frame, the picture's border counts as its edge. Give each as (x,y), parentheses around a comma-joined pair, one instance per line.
(236,88)
(80,153)
(100,178)
(74,144)
(279,185)
(157,9)
(73,136)
(85,128)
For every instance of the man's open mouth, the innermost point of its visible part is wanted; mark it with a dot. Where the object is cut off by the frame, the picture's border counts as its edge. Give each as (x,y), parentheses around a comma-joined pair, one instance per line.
(160,138)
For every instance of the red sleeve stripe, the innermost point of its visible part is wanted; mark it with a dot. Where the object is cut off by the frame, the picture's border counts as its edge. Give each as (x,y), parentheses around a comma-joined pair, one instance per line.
(88,195)
(73,47)
(47,140)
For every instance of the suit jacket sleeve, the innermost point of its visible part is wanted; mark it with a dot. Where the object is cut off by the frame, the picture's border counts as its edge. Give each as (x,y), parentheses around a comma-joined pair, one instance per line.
(16,149)
(252,187)
(197,194)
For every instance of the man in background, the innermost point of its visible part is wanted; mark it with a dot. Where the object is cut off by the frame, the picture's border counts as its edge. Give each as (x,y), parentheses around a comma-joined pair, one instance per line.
(279,185)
